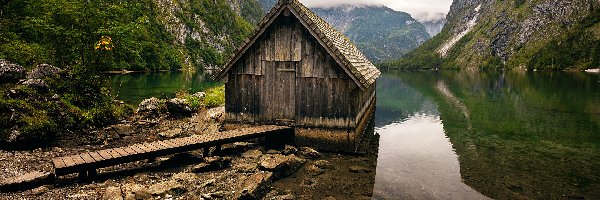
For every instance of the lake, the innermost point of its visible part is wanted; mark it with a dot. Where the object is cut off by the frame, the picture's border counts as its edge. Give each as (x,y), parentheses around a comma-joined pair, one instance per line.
(465,135)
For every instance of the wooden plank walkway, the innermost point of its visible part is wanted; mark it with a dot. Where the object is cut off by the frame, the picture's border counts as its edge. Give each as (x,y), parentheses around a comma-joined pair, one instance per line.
(90,161)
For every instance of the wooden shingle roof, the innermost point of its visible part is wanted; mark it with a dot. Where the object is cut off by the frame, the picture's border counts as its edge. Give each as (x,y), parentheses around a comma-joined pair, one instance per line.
(346,54)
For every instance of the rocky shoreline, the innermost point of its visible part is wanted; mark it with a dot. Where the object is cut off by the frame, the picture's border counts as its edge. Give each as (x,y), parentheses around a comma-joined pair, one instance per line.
(245,170)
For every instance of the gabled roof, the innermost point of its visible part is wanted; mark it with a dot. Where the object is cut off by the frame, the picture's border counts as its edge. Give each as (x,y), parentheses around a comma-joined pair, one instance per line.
(346,54)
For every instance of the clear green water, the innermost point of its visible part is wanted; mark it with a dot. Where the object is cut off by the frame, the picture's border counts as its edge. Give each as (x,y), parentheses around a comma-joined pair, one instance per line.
(465,135)
(506,135)
(134,88)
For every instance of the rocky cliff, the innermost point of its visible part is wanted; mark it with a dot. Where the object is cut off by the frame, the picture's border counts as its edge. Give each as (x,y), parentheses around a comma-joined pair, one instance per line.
(208,30)
(531,34)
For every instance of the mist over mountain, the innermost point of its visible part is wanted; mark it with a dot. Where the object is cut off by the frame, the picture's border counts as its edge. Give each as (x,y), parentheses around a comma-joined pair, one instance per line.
(380,32)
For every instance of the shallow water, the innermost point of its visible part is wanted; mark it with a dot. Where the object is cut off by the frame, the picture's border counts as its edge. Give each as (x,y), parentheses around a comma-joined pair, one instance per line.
(465,135)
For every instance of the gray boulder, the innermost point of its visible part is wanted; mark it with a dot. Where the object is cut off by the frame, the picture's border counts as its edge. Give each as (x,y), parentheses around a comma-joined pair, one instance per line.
(10,72)
(150,108)
(37,84)
(179,108)
(281,166)
(43,71)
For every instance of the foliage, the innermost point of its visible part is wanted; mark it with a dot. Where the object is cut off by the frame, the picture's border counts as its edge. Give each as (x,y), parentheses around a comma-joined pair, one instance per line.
(215,97)
(71,32)
(76,99)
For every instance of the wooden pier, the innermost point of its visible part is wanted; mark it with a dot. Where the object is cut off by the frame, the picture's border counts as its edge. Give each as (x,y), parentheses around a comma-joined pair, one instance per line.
(87,163)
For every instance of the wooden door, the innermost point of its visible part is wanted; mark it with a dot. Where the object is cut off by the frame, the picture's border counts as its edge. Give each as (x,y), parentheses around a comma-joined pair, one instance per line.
(284,89)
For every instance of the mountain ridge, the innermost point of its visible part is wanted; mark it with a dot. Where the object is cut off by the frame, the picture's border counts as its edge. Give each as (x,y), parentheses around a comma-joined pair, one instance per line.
(537,34)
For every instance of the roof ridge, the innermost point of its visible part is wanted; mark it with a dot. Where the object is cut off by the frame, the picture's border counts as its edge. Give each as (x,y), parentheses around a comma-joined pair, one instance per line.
(341,47)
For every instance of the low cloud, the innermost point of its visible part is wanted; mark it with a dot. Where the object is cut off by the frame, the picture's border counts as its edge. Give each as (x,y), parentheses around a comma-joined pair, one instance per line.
(422,10)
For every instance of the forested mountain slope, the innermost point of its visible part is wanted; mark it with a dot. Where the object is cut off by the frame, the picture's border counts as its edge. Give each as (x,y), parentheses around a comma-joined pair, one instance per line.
(141,34)
(527,34)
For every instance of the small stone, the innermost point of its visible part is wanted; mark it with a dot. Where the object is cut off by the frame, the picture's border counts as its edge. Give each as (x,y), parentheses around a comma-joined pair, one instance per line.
(255,186)
(245,167)
(112,193)
(314,170)
(329,198)
(360,169)
(252,154)
(171,133)
(323,164)
(199,95)
(186,177)
(309,152)
(123,129)
(281,166)
(40,190)
(207,183)
(168,187)
(212,164)
(289,150)
(142,194)
(273,151)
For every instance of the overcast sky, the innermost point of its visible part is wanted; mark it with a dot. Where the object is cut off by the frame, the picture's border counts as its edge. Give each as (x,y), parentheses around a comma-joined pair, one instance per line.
(419,9)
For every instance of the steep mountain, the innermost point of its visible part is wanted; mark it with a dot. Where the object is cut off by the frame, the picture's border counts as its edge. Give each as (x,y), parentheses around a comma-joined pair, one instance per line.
(434,26)
(530,34)
(267,4)
(381,33)
(133,35)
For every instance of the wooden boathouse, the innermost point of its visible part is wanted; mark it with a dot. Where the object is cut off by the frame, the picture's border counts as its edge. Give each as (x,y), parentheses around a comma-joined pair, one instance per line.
(297,70)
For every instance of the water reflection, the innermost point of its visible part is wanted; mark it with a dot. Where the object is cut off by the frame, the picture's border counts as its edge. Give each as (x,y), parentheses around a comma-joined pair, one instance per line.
(416,161)
(516,135)
(133,88)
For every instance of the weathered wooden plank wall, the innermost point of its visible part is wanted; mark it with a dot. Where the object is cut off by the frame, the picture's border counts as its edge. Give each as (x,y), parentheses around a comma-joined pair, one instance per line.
(287,77)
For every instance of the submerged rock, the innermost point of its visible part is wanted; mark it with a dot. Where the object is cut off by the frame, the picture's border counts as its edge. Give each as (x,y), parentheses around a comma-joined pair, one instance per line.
(179,108)
(10,72)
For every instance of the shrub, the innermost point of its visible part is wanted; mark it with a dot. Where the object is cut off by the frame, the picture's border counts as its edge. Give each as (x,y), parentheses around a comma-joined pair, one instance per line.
(215,97)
